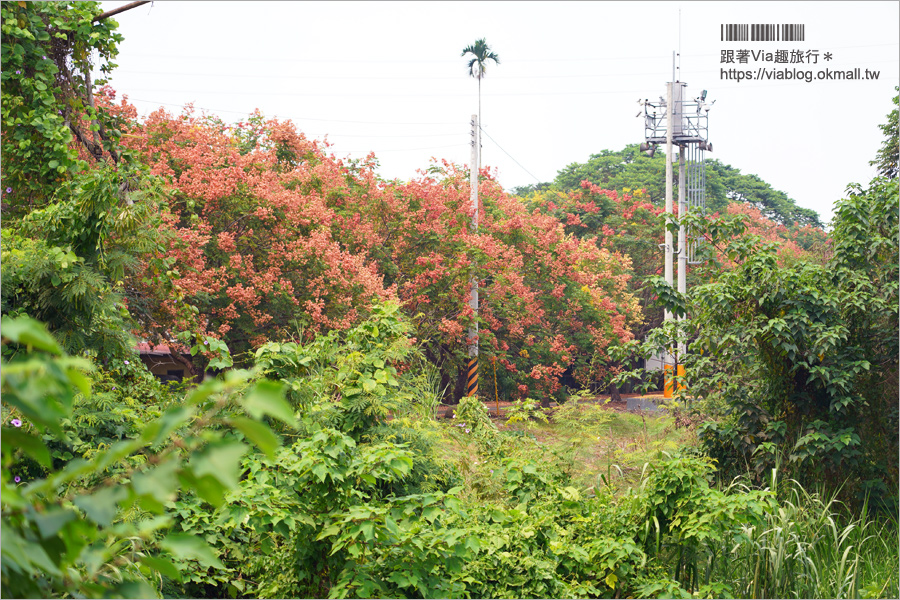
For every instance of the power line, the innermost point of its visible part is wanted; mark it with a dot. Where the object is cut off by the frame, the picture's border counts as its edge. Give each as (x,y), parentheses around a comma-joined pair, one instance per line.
(245,113)
(422,135)
(357,95)
(616,59)
(409,149)
(508,154)
(233,75)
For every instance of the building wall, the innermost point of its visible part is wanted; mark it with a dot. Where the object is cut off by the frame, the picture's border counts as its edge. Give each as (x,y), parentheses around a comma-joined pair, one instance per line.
(164,367)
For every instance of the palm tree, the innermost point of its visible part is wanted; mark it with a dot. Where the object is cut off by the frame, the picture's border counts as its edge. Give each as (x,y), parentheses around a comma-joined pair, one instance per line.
(482,53)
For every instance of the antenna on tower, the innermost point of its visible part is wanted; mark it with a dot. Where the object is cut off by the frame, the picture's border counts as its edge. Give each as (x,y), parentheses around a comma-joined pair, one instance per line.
(679,45)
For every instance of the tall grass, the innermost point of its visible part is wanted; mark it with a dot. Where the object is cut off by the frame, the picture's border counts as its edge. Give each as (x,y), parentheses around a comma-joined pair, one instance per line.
(811,548)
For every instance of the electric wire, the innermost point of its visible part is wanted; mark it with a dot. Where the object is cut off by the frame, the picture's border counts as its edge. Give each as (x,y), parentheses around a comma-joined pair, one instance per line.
(616,59)
(507,153)
(240,112)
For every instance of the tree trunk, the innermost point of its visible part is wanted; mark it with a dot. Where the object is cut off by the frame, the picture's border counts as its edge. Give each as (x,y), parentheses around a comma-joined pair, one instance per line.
(614,393)
(459,390)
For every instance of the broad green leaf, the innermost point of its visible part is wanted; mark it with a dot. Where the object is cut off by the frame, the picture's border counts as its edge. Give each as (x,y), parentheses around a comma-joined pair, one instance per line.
(185,546)
(221,460)
(13,438)
(28,331)
(221,362)
(159,483)
(51,521)
(163,566)
(158,431)
(101,507)
(391,525)
(37,556)
(133,589)
(611,580)
(207,487)
(203,391)
(80,381)
(367,530)
(267,398)
(258,433)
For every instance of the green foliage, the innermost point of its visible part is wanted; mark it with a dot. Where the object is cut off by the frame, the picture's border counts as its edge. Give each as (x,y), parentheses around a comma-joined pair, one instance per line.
(526,411)
(888,158)
(801,358)
(67,264)
(473,423)
(429,472)
(582,412)
(727,184)
(48,51)
(633,169)
(809,547)
(95,526)
(350,375)
(328,515)
(52,283)
(481,53)
(317,512)
(221,356)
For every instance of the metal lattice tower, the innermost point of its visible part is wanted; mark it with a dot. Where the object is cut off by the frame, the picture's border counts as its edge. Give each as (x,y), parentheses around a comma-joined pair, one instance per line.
(677,121)
(695,188)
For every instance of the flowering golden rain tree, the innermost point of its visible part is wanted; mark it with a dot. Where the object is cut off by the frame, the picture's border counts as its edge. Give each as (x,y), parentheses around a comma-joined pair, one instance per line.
(272,235)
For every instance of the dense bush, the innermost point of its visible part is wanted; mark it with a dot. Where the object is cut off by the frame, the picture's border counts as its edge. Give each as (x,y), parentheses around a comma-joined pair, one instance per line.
(329,515)
(96,525)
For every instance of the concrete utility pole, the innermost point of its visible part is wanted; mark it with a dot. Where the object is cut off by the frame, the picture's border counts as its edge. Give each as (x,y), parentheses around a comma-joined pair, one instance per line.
(472,373)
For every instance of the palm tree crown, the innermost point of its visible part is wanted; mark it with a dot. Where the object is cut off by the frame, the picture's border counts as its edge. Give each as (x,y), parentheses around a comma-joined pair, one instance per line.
(482,53)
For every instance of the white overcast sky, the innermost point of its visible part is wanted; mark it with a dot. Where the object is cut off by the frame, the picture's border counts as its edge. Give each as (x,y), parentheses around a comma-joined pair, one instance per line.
(388,77)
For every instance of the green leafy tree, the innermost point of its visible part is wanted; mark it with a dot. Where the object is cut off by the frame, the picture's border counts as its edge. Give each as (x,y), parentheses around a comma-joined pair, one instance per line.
(803,358)
(888,155)
(51,126)
(68,264)
(633,169)
(80,213)
(727,184)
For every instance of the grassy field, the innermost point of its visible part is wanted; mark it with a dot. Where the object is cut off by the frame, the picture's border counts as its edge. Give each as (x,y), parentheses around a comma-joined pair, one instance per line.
(595,441)
(810,547)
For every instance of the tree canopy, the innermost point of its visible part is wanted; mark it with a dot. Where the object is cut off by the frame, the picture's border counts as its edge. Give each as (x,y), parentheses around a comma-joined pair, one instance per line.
(633,169)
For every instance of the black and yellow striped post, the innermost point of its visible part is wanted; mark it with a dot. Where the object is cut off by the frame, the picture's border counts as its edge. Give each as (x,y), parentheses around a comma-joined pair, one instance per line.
(472,377)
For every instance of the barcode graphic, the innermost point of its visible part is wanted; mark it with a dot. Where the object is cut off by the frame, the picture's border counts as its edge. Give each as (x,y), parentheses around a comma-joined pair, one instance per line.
(763,32)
